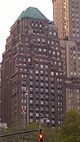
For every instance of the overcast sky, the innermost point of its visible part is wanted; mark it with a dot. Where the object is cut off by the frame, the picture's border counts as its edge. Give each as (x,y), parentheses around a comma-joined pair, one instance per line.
(11,9)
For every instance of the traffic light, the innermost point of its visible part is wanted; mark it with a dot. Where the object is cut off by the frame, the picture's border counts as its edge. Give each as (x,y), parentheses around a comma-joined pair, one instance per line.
(40,136)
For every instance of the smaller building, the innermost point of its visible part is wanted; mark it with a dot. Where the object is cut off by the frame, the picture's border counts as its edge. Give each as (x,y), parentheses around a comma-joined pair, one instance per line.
(73,94)
(71,59)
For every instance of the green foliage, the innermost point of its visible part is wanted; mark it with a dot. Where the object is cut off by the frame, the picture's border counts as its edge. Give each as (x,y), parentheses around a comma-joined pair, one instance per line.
(70,130)
(32,126)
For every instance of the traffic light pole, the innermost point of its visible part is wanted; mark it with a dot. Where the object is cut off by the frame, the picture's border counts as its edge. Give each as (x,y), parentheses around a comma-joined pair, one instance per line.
(40,136)
(19,133)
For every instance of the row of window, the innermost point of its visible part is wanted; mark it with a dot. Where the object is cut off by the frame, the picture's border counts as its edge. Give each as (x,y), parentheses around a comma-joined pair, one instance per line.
(37,72)
(53,122)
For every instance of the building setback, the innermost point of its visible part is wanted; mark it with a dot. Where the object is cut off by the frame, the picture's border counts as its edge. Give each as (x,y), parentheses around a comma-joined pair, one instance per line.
(66,14)
(32,72)
(71,58)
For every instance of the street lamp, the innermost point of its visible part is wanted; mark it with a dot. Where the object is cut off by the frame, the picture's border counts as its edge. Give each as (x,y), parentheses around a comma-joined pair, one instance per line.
(44,120)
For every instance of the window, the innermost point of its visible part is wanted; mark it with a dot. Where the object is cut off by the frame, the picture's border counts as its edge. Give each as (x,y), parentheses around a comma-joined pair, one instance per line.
(55,63)
(46,84)
(36,24)
(49,51)
(37,114)
(57,53)
(31,101)
(42,102)
(52,109)
(31,114)
(71,73)
(25,70)
(37,71)
(78,96)
(23,88)
(59,122)
(46,72)
(24,65)
(52,85)
(31,120)
(57,79)
(31,71)
(22,100)
(52,121)
(74,73)
(37,101)
(37,65)
(52,73)
(40,49)
(40,25)
(52,42)
(26,39)
(52,90)
(54,33)
(34,40)
(59,63)
(41,72)
(32,24)
(53,52)
(77,90)
(46,66)
(22,75)
(22,48)
(38,39)
(46,90)
(48,42)
(29,60)
(56,73)
(78,108)
(41,66)
(46,78)
(31,83)
(44,50)
(50,33)
(43,40)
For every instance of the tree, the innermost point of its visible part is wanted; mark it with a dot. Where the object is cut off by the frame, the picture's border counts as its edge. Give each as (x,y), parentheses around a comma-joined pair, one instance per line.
(70,130)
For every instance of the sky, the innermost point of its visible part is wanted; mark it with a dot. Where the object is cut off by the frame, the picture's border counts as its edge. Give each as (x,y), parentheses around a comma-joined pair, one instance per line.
(10,11)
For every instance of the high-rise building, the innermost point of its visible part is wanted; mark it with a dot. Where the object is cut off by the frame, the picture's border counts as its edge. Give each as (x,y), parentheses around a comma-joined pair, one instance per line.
(66,15)
(32,72)
(0,92)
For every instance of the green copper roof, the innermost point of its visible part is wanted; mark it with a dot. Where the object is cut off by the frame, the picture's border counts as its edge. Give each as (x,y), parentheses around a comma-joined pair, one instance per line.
(32,12)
